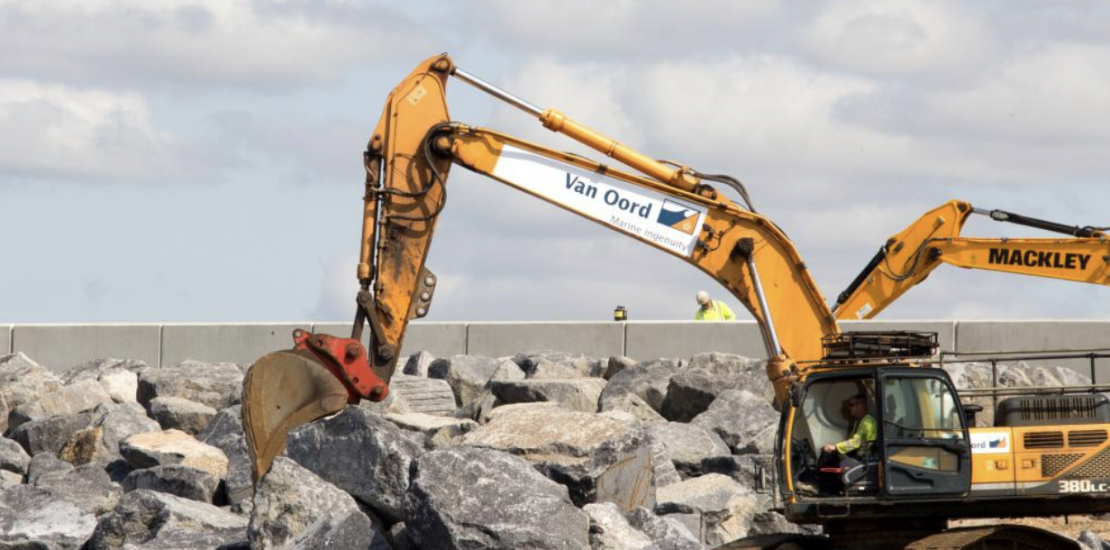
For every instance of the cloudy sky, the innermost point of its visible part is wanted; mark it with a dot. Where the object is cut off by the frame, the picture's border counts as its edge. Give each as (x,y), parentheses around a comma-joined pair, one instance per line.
(200,160)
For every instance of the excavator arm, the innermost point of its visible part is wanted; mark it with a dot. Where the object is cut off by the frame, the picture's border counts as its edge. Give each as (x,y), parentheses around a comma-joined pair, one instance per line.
(908,257)
(408,158)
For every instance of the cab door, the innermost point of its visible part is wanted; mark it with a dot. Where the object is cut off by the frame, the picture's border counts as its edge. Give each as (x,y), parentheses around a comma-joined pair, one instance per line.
(924,435)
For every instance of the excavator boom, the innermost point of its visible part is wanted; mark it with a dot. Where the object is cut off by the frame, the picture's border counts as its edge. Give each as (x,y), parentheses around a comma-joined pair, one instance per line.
(908,257)
(407,163)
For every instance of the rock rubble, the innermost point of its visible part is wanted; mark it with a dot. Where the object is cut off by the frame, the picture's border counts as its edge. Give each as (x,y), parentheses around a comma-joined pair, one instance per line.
(542,450)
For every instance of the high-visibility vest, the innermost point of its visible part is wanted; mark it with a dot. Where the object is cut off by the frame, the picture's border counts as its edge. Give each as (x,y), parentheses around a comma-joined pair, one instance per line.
(718,312)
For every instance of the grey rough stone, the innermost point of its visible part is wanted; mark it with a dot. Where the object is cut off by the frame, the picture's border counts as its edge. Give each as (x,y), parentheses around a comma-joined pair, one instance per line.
(648,380)
(725,508)
(172,447)
(663,468)
(88,487)
(122,421)
(466,374)
(576,394)
(1092,541)
(291,501)
(667,535)
(631,403)
(478,498)
(22,380)
(609,530)
(746,422)
(437,431)
(418,363)
(617,364)
(79,397)
(12,457)
(181,481)
(361,453)
(769,522)
(599,459)
(148,519)
(87,447)
(49,435)
(119,377)
(9,479)
(218,385)
(423,395)
(349,530)
(36,518)
(688,444)
(691,391)
(44,463)
(545,364)
(225,432)
(182,414)
(742,469)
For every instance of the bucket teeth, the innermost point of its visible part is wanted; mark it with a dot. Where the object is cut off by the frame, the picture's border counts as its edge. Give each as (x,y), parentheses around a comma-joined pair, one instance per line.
(281,391)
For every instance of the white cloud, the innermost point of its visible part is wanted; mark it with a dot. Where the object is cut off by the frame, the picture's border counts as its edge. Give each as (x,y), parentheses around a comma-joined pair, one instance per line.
(266,45)
(901,37)
(63,133)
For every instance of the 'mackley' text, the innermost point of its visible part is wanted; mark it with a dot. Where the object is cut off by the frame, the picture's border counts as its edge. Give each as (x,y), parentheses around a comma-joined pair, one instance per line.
(1036,258)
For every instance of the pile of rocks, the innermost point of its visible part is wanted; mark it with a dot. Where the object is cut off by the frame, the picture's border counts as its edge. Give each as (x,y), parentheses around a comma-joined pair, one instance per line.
(540,450)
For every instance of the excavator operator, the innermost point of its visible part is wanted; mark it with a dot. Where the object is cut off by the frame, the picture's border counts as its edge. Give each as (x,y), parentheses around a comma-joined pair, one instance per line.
(861,434)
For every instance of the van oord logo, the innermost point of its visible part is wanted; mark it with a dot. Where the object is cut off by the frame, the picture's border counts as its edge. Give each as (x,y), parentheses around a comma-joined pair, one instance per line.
(678,217)
(990,443)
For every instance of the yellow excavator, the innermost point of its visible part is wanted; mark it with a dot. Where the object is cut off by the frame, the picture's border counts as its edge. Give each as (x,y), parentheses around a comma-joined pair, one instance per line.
(908,257)
(926,465)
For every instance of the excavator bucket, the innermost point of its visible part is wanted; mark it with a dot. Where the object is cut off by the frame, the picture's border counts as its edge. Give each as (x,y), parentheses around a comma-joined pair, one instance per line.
(281,391)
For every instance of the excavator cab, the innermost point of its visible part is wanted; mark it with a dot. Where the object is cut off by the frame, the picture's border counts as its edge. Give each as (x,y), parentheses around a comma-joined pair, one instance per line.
(920,448)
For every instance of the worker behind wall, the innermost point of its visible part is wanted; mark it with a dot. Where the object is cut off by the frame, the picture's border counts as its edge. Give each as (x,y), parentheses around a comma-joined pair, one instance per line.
(712,310)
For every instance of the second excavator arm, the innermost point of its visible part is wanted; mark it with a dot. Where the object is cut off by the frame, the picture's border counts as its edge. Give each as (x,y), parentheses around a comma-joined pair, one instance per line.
(908,257)
(407,163)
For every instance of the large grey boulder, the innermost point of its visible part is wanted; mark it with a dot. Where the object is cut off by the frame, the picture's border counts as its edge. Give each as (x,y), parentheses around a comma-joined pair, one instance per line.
(37,518)
(88,487)
(665,533)
(99,443)
(182,414)
(350,530)
(361,453)
(609,530)
(148,519)
(743,469)
(218,385)
(418,363)
(291,501)
(647,380)
(225,432)
(173,447)
(617,364)
(576,394)
(688,445)
(466,374)
(745,421)
(636,408)
(546,364)
(22,380)
(49,435)
(599,459)
(691,391)
(12,457)
(119,377)
(722,507)
(68,400)
(663,468)
(423,395)
(463,498)
(181,481)
(9,479)
(437,431)
(45,463)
